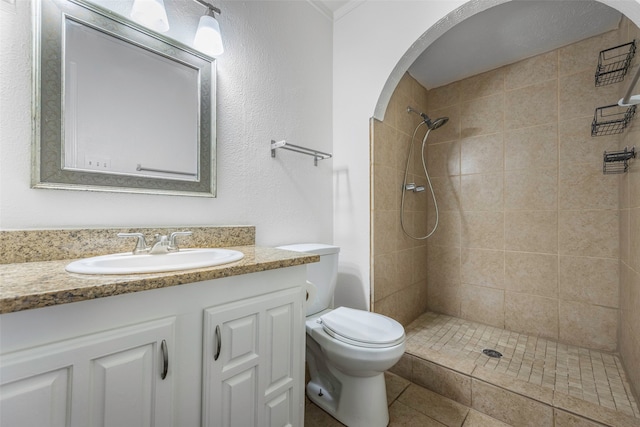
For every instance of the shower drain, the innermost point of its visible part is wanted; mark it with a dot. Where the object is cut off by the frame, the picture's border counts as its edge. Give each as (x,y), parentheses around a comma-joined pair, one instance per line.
(492,353)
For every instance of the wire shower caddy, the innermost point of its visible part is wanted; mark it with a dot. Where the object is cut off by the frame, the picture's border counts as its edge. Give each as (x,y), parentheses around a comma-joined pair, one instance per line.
(614,162)
(610,120)
(613,63)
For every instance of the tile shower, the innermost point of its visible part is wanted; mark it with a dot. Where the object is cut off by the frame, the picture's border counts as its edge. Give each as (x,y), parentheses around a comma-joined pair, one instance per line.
(532,237)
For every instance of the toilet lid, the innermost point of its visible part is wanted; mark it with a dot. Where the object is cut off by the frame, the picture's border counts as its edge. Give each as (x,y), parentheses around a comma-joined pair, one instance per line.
(362,328)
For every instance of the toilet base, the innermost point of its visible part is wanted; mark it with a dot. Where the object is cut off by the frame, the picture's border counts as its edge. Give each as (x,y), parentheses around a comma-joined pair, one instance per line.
(360,401)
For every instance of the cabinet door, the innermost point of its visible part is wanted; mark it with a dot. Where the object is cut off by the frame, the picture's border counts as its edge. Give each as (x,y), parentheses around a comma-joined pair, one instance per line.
(109,379)
(252,354)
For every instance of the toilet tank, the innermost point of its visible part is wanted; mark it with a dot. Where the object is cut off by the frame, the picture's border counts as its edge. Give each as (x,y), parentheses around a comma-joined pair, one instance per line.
(323,275)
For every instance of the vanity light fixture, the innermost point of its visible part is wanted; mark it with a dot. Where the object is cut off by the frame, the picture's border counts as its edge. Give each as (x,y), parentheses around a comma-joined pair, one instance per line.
(208,38)
(151,14)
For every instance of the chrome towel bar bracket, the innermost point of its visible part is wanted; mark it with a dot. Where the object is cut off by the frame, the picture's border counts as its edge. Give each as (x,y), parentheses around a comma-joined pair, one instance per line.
(317,155)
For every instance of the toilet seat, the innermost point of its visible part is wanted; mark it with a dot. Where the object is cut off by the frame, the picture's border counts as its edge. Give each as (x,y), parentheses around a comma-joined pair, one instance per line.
(362,328)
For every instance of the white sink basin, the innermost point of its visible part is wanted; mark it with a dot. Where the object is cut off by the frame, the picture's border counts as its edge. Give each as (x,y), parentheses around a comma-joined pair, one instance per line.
(128,263)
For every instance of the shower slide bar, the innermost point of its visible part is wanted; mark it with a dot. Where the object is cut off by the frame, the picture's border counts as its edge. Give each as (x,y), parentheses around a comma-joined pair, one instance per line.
(139,168)
(317,155)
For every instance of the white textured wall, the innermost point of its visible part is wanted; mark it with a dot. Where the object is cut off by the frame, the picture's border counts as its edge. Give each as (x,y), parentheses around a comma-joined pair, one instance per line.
(274,82)
(373,46)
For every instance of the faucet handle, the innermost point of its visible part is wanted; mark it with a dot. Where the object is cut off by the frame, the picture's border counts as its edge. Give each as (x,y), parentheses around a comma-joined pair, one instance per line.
(172,239)
(141,243)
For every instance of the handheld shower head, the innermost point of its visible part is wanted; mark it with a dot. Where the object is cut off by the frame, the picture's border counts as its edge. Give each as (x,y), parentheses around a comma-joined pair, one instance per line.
(441,121)
(435,124)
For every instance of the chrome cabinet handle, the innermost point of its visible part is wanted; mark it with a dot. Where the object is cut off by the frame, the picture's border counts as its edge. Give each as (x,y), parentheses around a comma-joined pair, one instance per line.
(218,343)
(165,359)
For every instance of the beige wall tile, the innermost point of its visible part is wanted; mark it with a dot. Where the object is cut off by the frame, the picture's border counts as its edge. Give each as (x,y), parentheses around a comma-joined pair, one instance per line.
(482,192)
(630,351)
(482,116)
(483,230)
(443,297)
(531,148)
(531,71)
(485,84)
(404,266)
(589,233)
(577,145)
(531,231)
(482,267)
(623,191)
(634,178)
(384,137)
(385,232)
(510,408)
(385,196)
(447,191)
(531,105)
(443,381)
(444,96)
(531,314)
(633,312)
(482,154)
(584,186)
(419,94)
(579,97)
(482,304)
(584,54)
(588,325)
(443,265)
(531,273)
(385,275)
(589,280)
(448,231)
(414,223)
(634,238)
(444,159)
(402,150)
(404,305)
(419,268)
(531,189)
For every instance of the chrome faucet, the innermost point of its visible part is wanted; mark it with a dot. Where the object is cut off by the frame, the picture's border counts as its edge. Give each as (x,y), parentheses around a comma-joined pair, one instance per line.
(161,243)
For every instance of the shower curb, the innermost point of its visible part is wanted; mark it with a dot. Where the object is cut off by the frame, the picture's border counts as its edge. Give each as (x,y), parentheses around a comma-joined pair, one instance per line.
(503,397)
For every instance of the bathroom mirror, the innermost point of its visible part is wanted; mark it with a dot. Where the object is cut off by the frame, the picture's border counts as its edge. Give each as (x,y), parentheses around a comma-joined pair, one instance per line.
(118,107)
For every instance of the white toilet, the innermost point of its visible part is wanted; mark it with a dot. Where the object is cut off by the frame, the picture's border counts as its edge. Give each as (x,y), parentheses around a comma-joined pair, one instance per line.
(348,350)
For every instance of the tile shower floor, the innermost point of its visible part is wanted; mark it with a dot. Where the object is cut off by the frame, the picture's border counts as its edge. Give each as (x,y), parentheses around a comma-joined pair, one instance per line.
(590,375)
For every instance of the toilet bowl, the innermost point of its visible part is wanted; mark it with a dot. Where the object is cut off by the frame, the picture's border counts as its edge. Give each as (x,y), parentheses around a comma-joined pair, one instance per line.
(347,350)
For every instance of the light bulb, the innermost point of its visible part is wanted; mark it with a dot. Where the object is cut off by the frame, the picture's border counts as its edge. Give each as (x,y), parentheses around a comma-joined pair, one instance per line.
(208,39)
(151,14)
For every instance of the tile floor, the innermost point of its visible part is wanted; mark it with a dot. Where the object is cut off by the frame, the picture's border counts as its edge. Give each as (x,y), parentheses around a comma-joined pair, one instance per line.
(413,406)
(593,376)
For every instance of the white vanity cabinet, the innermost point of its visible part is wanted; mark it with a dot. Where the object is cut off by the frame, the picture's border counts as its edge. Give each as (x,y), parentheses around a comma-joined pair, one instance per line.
(113,379)
(101,362)
(251,362)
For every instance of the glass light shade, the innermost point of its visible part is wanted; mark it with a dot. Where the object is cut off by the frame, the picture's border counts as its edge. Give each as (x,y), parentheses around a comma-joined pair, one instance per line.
(151,14)
(208,39)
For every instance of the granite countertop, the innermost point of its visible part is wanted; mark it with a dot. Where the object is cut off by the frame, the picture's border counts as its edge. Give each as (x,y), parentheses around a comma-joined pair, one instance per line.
(28,285)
